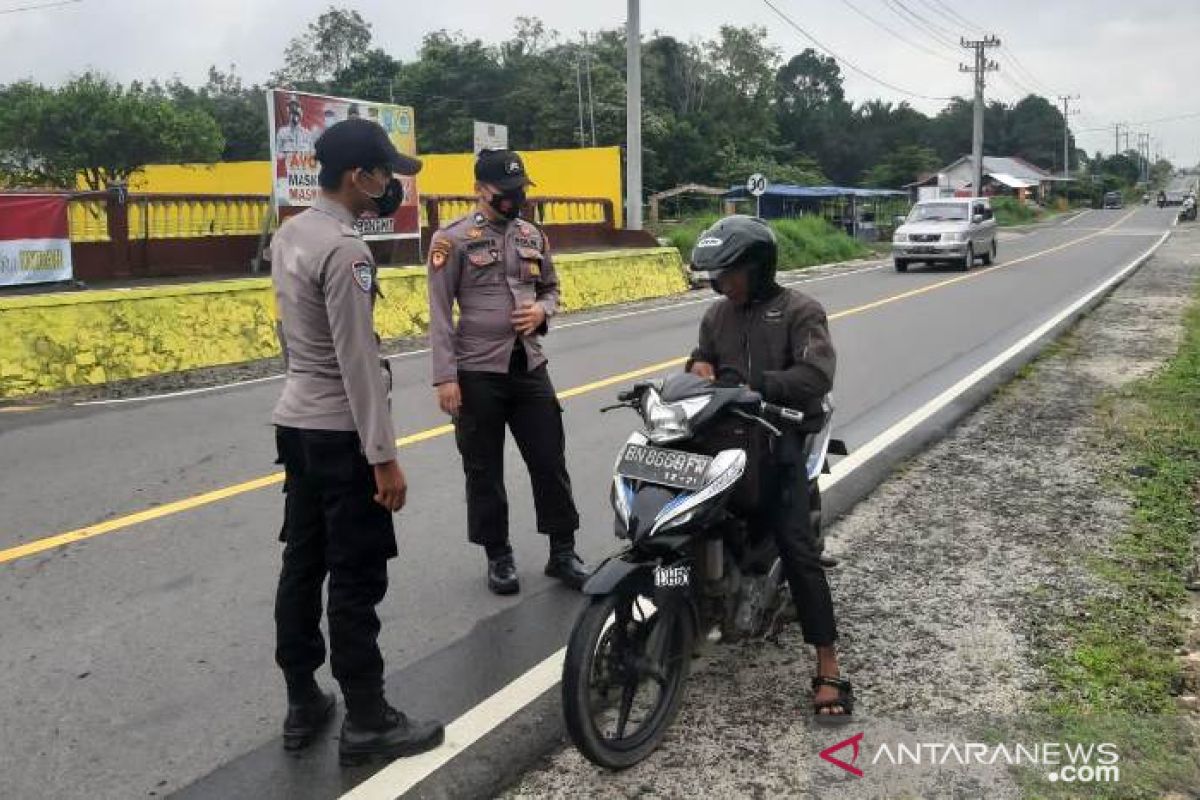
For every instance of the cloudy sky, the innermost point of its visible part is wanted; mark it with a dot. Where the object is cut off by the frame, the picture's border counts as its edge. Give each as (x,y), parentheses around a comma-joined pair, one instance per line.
(1133,62)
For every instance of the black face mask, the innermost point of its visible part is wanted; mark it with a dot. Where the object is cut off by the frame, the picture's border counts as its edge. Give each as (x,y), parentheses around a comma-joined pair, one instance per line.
(392,198)
(508,203)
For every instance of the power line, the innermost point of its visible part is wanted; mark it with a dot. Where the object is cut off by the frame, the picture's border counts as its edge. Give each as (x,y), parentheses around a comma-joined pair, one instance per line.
(1173,118)
(952,15)
(933,26)
(902,11)
(844,61)
(1035,85)
(39,6)
(902,38)
(1016,64)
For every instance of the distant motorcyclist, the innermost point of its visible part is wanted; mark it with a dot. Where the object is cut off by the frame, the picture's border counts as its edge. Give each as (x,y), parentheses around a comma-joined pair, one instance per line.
(777,341)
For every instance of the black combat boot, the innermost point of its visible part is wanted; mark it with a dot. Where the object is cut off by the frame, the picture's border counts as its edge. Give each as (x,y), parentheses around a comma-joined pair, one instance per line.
(502,571)
(309,710)
(380,731)
(564,564)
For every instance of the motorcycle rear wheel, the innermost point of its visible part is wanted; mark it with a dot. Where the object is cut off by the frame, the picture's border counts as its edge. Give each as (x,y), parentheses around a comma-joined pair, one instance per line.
(608,666)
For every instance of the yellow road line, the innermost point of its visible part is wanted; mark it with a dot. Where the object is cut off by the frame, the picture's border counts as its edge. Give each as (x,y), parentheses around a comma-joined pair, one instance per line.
(187,504)
(20,409)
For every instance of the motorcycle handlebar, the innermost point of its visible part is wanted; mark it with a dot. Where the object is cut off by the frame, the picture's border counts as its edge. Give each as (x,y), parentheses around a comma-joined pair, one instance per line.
(783,414)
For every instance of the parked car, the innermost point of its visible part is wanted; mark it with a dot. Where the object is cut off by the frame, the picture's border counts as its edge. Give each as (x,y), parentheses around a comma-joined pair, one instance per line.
(955,230)
(1113,200)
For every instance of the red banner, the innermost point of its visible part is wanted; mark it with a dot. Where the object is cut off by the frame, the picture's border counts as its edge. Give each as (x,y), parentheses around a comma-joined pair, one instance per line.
(35,240)
(33,216)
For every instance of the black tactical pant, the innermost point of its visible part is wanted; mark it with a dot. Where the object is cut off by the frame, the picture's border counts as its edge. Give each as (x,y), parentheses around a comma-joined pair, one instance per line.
(525,402)
(332,526)
(788,504)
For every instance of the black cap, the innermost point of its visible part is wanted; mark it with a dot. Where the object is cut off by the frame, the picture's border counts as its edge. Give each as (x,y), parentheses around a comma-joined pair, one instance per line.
(502,169)
(358,142)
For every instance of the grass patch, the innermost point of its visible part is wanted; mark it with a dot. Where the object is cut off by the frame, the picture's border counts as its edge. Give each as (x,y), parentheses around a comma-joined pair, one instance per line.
(1009,211)
(1114,673)
(803,242)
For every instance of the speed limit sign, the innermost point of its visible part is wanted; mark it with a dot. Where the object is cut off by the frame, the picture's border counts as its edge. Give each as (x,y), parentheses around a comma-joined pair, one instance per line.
(757,184)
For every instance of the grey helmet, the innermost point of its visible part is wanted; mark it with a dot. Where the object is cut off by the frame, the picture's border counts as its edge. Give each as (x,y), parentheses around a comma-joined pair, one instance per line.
(734,242)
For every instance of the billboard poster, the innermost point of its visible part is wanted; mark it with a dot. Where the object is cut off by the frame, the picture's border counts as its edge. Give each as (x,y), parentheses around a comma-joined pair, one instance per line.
(490,136)
(35,239)
(296,120)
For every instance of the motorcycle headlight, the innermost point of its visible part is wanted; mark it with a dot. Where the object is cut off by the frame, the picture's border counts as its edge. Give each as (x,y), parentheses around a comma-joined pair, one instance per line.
(668,422)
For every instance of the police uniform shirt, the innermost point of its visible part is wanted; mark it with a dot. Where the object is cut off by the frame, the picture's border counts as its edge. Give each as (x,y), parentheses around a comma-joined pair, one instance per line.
(490,268)
(325,289)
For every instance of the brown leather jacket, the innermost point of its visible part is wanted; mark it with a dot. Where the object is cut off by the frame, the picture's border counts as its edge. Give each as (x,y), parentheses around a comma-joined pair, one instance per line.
(779,346)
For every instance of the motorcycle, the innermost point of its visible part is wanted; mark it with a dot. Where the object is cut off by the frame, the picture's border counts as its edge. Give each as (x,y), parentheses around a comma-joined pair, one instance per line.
(693,565)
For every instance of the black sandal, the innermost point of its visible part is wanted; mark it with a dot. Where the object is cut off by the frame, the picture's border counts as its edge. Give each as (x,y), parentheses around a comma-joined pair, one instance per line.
(844,701)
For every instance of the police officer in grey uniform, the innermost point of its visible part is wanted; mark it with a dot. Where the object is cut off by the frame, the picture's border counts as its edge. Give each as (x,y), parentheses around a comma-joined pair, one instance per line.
(335,439)
(489,369)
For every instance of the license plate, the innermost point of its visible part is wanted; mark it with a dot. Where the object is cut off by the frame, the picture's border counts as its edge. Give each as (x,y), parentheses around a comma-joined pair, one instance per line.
(923,249)
(675,577)
(664,467)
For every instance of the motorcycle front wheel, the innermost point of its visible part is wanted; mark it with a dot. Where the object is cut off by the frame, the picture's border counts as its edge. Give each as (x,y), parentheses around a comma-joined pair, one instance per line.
(624,675)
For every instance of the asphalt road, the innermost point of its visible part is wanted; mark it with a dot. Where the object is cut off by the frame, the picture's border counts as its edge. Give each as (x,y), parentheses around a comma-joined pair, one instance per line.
(139,662)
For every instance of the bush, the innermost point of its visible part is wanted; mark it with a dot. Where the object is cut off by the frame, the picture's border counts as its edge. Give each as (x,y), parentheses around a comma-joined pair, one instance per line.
(1010,211)
(803,242)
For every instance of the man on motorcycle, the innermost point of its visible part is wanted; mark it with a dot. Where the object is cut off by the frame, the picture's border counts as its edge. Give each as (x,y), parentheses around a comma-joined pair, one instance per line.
(776,341)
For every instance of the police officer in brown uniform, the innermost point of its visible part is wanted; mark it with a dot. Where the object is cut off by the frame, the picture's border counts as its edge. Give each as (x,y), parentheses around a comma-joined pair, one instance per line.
(489,369)
(335,439)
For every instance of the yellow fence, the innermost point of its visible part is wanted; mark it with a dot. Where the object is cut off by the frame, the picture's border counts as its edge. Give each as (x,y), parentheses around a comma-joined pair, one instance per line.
(53,341)
(171,218)
(580,172)
(88,220)
(195,217)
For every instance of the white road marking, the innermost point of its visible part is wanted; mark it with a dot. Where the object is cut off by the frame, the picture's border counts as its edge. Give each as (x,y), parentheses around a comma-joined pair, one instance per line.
(1077,217)
(403,774)
(410,353)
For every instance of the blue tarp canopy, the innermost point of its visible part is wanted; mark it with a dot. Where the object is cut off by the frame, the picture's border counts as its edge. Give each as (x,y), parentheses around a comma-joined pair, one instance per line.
(783,200)
(815,192)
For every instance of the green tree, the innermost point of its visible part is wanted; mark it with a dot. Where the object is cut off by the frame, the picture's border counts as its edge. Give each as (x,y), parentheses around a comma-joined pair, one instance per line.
(373,75)
(905,165)
(328,46)
(1035,128)
(96,128)
(239,110)
(736,167)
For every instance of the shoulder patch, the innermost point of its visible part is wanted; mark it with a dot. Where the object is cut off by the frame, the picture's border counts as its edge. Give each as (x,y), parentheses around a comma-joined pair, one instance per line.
(364,275)
(439,252)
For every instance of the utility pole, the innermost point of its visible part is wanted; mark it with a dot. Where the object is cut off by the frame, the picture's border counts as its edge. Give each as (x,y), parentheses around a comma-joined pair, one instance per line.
(579,94)
(1116,138)
(587,55)
(1066,99)
(633,117)
(1144,155)
(1126,139)
(981,67)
